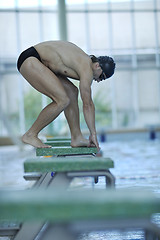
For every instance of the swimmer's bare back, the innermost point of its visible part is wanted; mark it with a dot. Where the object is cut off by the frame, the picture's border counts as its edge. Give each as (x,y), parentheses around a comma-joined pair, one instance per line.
(63,58)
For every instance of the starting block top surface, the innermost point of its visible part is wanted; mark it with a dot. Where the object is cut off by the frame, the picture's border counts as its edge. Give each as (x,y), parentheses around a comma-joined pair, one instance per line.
(58,139)
(65,151)
(64,164)
(58,143)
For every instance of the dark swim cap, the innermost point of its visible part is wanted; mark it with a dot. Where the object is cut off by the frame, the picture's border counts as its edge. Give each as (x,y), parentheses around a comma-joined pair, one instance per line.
(107,64)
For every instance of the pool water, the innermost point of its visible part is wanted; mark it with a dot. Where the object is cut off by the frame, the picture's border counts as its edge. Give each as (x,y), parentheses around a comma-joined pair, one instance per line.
(137,165)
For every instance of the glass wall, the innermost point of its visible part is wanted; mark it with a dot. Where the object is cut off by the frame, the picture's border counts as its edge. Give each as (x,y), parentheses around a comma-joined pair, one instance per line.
(127,30)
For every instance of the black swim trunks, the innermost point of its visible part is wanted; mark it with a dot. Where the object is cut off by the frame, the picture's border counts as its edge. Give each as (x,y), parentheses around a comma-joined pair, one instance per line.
(30,52)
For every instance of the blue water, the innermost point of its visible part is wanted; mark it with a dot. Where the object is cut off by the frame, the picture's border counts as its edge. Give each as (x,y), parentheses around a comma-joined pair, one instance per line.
(137,165)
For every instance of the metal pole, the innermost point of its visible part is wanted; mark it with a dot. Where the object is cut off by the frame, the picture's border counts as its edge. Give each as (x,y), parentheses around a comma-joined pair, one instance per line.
(156,34)
(1,122)
(40,21)
(62,20)
(112,82)
(134,68)
(87,27)
(157,49)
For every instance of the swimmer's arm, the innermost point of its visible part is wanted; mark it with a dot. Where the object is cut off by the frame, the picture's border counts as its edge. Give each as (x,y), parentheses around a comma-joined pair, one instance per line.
(88,109)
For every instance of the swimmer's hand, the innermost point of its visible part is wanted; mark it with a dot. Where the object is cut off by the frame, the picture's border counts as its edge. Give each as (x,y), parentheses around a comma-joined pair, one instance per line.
(93,142)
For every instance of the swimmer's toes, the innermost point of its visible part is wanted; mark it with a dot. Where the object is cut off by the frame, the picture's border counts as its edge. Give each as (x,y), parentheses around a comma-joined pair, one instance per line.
(44,146)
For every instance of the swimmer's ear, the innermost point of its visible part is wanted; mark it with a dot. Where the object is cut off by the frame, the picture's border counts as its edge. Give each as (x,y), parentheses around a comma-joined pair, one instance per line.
(97,66)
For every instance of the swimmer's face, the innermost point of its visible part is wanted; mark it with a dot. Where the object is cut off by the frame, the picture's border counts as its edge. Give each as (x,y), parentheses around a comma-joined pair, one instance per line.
(98,73)
(100,76)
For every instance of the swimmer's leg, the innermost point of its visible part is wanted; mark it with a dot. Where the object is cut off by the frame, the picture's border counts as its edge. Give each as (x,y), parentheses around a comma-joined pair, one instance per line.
(46,82)
(72,114)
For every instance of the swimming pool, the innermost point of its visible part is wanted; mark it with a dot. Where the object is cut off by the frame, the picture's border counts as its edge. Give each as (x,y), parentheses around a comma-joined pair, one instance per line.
(137,165)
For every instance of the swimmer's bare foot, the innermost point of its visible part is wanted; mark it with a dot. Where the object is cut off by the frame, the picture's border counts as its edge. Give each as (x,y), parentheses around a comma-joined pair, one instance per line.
(34,141)
(80,142)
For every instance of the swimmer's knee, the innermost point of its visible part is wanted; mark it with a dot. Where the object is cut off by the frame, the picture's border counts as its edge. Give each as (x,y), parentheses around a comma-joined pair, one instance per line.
(63,102)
